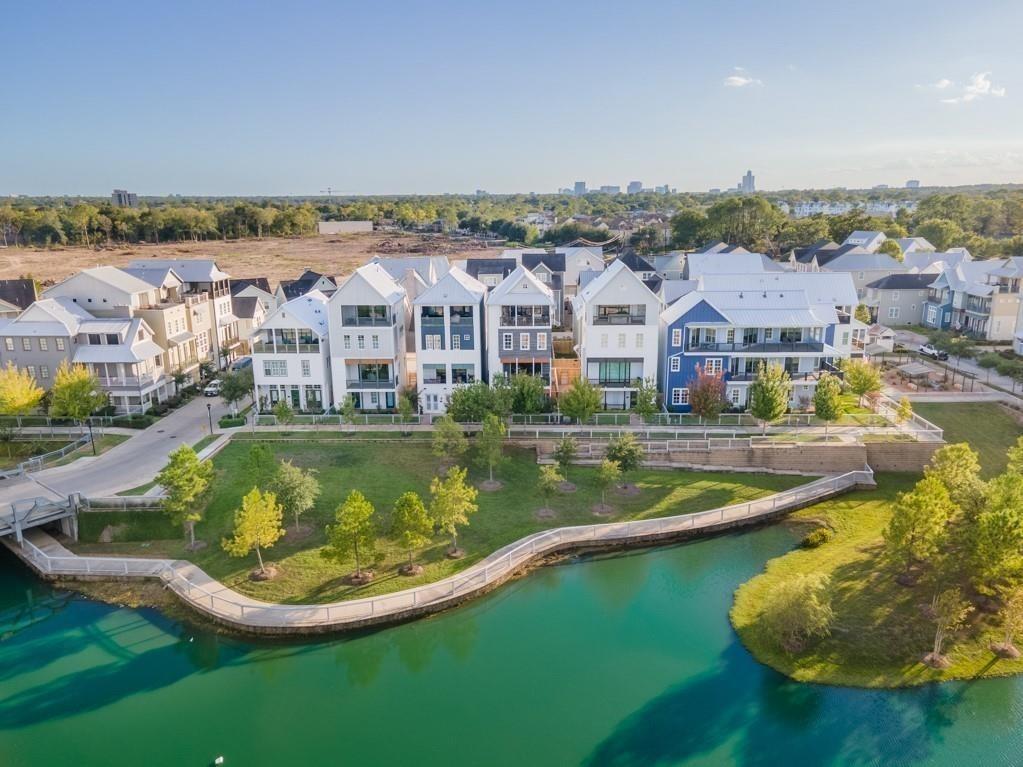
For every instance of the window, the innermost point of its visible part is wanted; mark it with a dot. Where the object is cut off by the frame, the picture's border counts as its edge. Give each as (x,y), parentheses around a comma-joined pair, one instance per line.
(348,342)
(375,341)
(639,340)
(680,396)
(506,341)
(676,336)
(360,342)
(524,341)
(603,340)
(456,341)
(712,366)
(374,398)
(733,396)
(113,339)
(541,342)
(306,369)
(932,316)
(44,371)
(275,368)
(433,342)
(710,336)
(621,340)
(43,345)
(26,344)
(845,338)
(893,312)
(676,364)
(768,334)
(9,344)
(730,335)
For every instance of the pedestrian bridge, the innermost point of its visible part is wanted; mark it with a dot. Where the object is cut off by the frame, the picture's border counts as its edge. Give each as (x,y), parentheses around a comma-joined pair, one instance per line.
(28,513)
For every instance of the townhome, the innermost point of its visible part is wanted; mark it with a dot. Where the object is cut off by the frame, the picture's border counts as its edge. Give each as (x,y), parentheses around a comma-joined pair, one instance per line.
(615,328)
(898,299)
(868,240)
(978,298)
(448,317)
(291,355)
(519,323)
(369,315)
(490,271)
(429,268)
(670,266)
(639,265)
(41,337)
(549,268)
(307,282)
(254,287)
(736,262)
(16,296)
(206,291)
(863,265)
(731,325)
(251,314)
(578,260)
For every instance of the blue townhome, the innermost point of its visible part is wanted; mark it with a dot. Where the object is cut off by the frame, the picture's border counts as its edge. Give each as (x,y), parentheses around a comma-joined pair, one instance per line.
(799,321)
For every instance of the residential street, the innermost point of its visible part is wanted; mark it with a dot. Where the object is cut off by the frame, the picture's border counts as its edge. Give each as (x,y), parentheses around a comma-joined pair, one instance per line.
(913,341)
(130,464)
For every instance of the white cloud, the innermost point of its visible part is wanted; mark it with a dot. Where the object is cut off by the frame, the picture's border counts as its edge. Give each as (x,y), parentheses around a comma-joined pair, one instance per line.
(980,86)
(943,83)
(741,79)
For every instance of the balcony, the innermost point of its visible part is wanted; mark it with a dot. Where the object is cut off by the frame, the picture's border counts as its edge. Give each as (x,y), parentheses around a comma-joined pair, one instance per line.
(768,347)
(614,383)
(261,347)
(620,319)
(128,382)
(359,383)
(796,377)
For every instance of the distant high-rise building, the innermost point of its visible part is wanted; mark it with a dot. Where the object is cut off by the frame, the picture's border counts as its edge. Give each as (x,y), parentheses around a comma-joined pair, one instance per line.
(880,186)
(747,185)
(715,190)
(611,189)
(913,184)
(665,189)
(124,199)
(580,187)
(481,192)
(635,187)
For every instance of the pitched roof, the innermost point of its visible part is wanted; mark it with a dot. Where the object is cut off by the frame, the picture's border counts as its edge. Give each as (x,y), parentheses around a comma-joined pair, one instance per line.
(244,307)
(188,269)
(430,268)
(48,317)
(553,261)
(378,279)
(305,283)
(614,271)
(156,276)
(119,279)
(454,288)
(474,267)
(729,263)
(510,291)
(823,288)
(860,259)
(635,262)
(821,247)
(20,293)
(309,309)
(239,284)
(903,281)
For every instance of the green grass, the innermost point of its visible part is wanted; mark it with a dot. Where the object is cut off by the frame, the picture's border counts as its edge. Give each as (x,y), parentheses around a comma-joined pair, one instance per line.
(879,631)
(134,526)
(205,442)
(140,490)
(15,452)
(103,444)
(987,426)
(383,472)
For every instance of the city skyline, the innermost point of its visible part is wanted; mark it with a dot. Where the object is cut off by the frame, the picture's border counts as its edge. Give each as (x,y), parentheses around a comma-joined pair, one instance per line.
(417,100)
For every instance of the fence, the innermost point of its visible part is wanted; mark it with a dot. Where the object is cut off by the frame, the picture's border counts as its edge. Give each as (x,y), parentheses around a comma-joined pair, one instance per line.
(360,419)
(37,462)
(233,608)
(27,421)
(919,427)
(122,503)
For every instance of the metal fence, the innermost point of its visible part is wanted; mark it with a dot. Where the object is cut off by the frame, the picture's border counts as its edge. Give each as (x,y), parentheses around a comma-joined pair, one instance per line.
(235,608)
(360,419)
(122,503)
(37,462)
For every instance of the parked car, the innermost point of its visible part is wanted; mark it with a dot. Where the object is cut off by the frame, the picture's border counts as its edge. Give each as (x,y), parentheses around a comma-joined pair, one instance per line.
(935,354)
(241,364)
(212,389)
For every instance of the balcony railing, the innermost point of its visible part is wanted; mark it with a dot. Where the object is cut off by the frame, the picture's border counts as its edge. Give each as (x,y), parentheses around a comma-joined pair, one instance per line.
(811,375)
(764,347)
(620,319)
(620,383)
(365,322)
(261,347)
(123,382)
(359,383)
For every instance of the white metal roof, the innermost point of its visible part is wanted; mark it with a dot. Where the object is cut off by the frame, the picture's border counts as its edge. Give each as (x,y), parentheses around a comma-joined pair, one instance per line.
(454,288)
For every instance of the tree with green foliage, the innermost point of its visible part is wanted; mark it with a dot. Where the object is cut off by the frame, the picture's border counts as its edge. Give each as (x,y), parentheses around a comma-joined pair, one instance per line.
(626,451)
(827,400)
(352,534)
(957,467)
(549,482)
(797,610)
(769,393)
(941,233)
(565,452)
(283,412)
(348,410)
(411,526)
(296,489)
(452,500)
(609,474)
(918,524)
(960,346)
(185,480)
(236,386)
(688,228)
(257,526)
(644,401)
(861,377)
(707,394)
(580,401)
(405,409)
(996,542)
(904,411)
(449,441)
(862,314)
(527,394)
(472,403)
(261,466)
(892,248)
(490,443)
(1015,457)
(19,396)
(948,612)
(1012,624)
(750,221)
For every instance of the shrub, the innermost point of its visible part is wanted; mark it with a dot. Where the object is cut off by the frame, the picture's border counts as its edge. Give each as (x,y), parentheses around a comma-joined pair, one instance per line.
(227,422)
(817,537)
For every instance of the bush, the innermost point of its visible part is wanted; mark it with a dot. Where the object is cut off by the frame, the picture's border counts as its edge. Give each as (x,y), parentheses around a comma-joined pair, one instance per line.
(227,422)
(817,537)
(134,421)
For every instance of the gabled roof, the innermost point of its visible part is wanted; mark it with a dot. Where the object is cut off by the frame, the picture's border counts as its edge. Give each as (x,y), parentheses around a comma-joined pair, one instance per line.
(635,262)
(553,261)
(859,260)
(310,310)
(48,317)
(118,279)
(520,287)
(673,290)
(754,308)
(19,293)
(820,288)
(921,259)
(863,235)
(474,267)
(244,307)
(305,283)
(378,280)
(914,244)
(429,268)
(617,270)
(729,263)
(719,246)
(819,248)
(903,281)
(456,288)
(157,277)
(239,284)
(188,269)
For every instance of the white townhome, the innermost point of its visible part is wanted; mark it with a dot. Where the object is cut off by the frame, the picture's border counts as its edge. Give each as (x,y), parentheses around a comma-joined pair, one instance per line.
(368,314)
(291,355)
(616,322)
(519,312)
(449,337)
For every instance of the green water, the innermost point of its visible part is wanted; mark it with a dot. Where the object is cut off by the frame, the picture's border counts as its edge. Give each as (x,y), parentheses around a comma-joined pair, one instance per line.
(620,661)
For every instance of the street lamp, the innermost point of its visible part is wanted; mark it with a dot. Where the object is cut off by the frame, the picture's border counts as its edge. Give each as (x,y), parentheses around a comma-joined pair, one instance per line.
(209,412)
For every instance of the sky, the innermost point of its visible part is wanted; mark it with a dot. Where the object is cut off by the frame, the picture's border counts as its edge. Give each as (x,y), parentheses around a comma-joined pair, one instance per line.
(232,98)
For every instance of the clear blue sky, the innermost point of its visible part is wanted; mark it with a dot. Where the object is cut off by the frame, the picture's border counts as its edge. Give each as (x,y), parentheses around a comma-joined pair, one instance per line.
(423,97)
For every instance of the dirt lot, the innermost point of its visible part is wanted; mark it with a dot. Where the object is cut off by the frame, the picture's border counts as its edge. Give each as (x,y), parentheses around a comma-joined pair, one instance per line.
(275,258)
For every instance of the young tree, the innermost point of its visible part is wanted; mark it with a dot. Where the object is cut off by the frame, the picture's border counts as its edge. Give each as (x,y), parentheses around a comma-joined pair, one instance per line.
(185,480)
(645,399)
(405,409)
(19,396)
(608,475)
(769,394)
(861,377)
(625,451)
(296,489)
(449,441)
(797,610)
(827,400)
(1015,457)
(490,444)
(707,394)
(580,401)
(996,540)
(261,466)
(550,480)
(283,412)
(235,387)
(565,452)
(862,314)
(527,394)
(411,524)
(948,611)
(451,503)
(348,411)
(1012,625)
(917,526)
(904,411)
(472,403)
(257,526)
(76,394)
(957,467)
(352,534)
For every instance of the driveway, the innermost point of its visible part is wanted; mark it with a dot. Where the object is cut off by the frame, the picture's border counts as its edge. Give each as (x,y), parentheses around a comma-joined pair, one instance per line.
(130,464)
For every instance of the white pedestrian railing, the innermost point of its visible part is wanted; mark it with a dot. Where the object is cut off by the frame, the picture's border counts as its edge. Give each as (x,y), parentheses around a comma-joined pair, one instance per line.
(37,462)
(229,606)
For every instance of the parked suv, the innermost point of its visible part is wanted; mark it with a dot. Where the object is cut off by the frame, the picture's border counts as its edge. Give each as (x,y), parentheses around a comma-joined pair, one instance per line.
(212,388)
(929,351)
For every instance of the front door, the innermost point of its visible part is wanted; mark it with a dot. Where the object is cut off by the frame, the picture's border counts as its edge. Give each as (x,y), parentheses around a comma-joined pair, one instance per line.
(296,398)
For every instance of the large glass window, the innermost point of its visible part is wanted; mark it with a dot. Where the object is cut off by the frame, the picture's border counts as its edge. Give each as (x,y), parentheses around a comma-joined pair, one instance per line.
(436,374)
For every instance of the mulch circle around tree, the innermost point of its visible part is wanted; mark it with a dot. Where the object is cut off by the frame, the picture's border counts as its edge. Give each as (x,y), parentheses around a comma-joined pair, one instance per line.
(545,514)
(603,510)
(411,570)
(566,487)
(268,573)
(361,579)
(935,661)
(490,486)
(454,553)
(197,546)
(1003,650)
(628,489)
(293,534)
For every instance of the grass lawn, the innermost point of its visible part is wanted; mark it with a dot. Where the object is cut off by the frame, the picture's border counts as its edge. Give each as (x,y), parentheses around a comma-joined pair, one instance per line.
(384,471)
(103,444)
(140,490)
(879,631)
(205,442)
(16,452)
